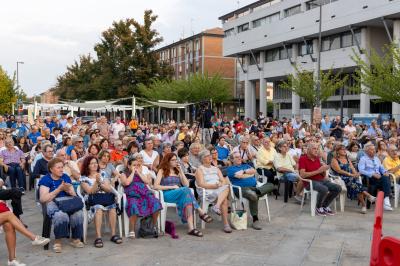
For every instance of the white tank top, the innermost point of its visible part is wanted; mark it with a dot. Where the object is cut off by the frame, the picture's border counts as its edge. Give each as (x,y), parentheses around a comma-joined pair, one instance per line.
(149,159)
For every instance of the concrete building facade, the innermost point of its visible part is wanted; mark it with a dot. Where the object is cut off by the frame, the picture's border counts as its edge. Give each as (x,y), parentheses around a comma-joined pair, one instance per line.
(272,37)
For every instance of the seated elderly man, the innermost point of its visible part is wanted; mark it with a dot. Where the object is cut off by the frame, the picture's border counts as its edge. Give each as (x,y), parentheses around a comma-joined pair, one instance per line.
(310,167)
(371,168)
(242,175)
(265,161)
(244,150)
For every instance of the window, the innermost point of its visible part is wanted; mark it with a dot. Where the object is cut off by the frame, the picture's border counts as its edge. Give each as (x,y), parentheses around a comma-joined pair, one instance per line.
(315,3)
(283,54)
(347,40)
(265,20)
(257,56)
(292,11)
(305,48)
(243,27)
(357,35)
(331,43)
(229,32)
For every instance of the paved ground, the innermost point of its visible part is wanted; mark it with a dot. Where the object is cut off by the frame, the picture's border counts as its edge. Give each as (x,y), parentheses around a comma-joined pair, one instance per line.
(292,238)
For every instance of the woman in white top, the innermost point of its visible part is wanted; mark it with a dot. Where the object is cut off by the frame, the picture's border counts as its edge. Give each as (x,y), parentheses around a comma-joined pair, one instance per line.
(216,187)
(151,158)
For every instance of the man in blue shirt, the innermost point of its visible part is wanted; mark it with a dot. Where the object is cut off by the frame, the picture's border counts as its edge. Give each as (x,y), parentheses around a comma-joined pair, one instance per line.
(222,149)
(243,175)
(370,167)
(3,124)
(325,126)
(34,135)
(21,129)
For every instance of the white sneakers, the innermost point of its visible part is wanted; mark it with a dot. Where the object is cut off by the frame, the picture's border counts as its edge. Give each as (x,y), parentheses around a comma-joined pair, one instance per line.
(372,199)
(386,204)
(40,241)
(363,210)
(14,262)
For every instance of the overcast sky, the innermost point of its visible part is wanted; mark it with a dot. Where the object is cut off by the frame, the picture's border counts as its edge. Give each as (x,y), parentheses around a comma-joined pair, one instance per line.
(48,35)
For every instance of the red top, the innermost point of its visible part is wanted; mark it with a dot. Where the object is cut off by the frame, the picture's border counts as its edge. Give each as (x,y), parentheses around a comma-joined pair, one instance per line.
(3,207)
(310,165)
(117,156)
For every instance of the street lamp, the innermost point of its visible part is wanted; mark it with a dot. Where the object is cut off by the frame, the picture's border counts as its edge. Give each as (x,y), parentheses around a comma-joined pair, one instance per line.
(18,62)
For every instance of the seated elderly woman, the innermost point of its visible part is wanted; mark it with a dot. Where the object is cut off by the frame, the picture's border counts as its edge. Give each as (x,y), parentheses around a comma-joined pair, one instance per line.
(194,151)
(343,167)
(215,187)
(55,189)
(107,168)
(11,224)
(100,198)
(174,184)
(243,175)
(140,200)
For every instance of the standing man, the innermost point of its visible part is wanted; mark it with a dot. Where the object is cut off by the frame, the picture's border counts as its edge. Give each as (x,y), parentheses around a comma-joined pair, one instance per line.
(325,126)
(337,128)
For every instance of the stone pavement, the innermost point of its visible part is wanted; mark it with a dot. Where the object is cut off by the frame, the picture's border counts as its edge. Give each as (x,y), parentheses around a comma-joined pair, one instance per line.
(292,238)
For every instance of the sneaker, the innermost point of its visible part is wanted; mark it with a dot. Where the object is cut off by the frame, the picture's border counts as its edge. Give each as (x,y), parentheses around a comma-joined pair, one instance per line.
(256,225)
(22,190)
(320,212)
(363,210)
(40,241)
(328,211)
(372,199)
(387,207)
(14,262)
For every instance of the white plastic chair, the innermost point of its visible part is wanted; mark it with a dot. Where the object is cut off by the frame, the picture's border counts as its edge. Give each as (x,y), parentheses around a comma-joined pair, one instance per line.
(396,189)
(85,216)
(204,204)
(244,202)
(342,195)
(313,196)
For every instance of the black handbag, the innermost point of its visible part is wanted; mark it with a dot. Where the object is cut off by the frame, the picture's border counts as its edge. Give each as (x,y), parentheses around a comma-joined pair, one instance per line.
(147,229)
(69,205)
(104,199)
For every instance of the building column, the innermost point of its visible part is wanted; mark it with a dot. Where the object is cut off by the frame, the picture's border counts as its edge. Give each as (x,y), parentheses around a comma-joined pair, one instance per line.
(253,102)
(295,97)
(263,86)
(247,88)
(365,45)
(396,39)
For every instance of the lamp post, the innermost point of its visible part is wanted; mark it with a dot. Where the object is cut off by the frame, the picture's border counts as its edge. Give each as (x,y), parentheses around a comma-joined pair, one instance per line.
(18,62)
(318,87)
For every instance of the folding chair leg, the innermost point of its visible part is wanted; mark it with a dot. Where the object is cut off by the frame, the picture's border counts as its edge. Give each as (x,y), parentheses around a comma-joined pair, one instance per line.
(396,195)
(313,203)
(342,199)
(85,225)
(267,205)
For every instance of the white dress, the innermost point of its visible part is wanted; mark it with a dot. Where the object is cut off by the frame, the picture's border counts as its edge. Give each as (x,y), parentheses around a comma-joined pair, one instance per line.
(149,159)
(210,175)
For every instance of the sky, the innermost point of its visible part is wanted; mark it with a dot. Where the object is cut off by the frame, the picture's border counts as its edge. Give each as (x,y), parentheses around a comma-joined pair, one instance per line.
(49,35)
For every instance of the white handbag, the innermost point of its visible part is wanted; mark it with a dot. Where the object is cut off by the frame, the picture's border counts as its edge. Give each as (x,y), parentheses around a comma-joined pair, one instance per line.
(239,219)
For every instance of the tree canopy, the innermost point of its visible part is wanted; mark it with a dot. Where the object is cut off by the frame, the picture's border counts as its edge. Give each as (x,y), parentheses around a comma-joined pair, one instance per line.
(7,91)
(194,89)
(380,73)
(124,58)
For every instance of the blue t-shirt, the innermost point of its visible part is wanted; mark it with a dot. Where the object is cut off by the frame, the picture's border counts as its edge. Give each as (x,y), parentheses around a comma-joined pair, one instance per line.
(33,136)
(223,152)
(52,184)
(241,182)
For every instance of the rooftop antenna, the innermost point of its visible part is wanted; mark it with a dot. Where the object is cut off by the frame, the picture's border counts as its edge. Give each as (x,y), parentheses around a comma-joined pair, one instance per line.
(191,25)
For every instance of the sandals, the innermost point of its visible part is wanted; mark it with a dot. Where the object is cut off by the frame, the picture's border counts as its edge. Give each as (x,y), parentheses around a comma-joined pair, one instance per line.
(132,235)
(206,218)
(116,239)
(195,232)
(57,248)
(77,243)
(227,229)
(98,243)
(216,210)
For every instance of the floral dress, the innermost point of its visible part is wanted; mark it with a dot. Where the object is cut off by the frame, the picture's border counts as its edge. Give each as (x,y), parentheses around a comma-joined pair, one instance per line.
(354,187)
(140,199)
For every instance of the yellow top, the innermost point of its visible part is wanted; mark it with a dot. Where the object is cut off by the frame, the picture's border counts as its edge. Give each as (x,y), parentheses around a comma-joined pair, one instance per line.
(265,158)
(389,163)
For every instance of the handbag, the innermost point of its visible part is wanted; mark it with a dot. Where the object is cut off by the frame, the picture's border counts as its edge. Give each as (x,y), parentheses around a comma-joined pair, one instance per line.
(69,205)
(341,183)
(239,219)
(147,229)
(104,199)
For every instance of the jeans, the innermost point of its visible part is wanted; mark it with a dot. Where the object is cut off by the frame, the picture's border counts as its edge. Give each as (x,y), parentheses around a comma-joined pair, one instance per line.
(292,177)
(16,173)
(327,192)
(382,183)
(14,195)
(252,194)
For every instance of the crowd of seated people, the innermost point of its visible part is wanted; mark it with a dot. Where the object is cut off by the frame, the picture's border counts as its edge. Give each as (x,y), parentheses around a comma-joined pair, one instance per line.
(68,159)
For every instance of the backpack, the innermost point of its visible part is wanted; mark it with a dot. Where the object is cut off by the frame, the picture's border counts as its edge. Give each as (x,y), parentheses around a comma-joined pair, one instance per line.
(147,229)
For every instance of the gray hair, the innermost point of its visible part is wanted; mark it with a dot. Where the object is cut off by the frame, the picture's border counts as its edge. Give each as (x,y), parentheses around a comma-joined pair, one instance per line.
(279,145)
(232,155)
(203,154)
(368,145)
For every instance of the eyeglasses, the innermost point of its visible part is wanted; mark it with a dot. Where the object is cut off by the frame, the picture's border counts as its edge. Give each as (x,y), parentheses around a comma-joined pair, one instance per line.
(94,163)
(79,141)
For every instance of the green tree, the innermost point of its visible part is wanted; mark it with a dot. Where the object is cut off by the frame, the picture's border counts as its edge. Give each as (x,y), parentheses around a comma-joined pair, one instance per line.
(125,57)
(196,88)
(7,92)
(380,73)
(304,84)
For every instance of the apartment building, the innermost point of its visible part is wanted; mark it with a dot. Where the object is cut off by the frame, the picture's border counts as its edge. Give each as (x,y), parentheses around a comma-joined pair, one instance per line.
(270,38)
